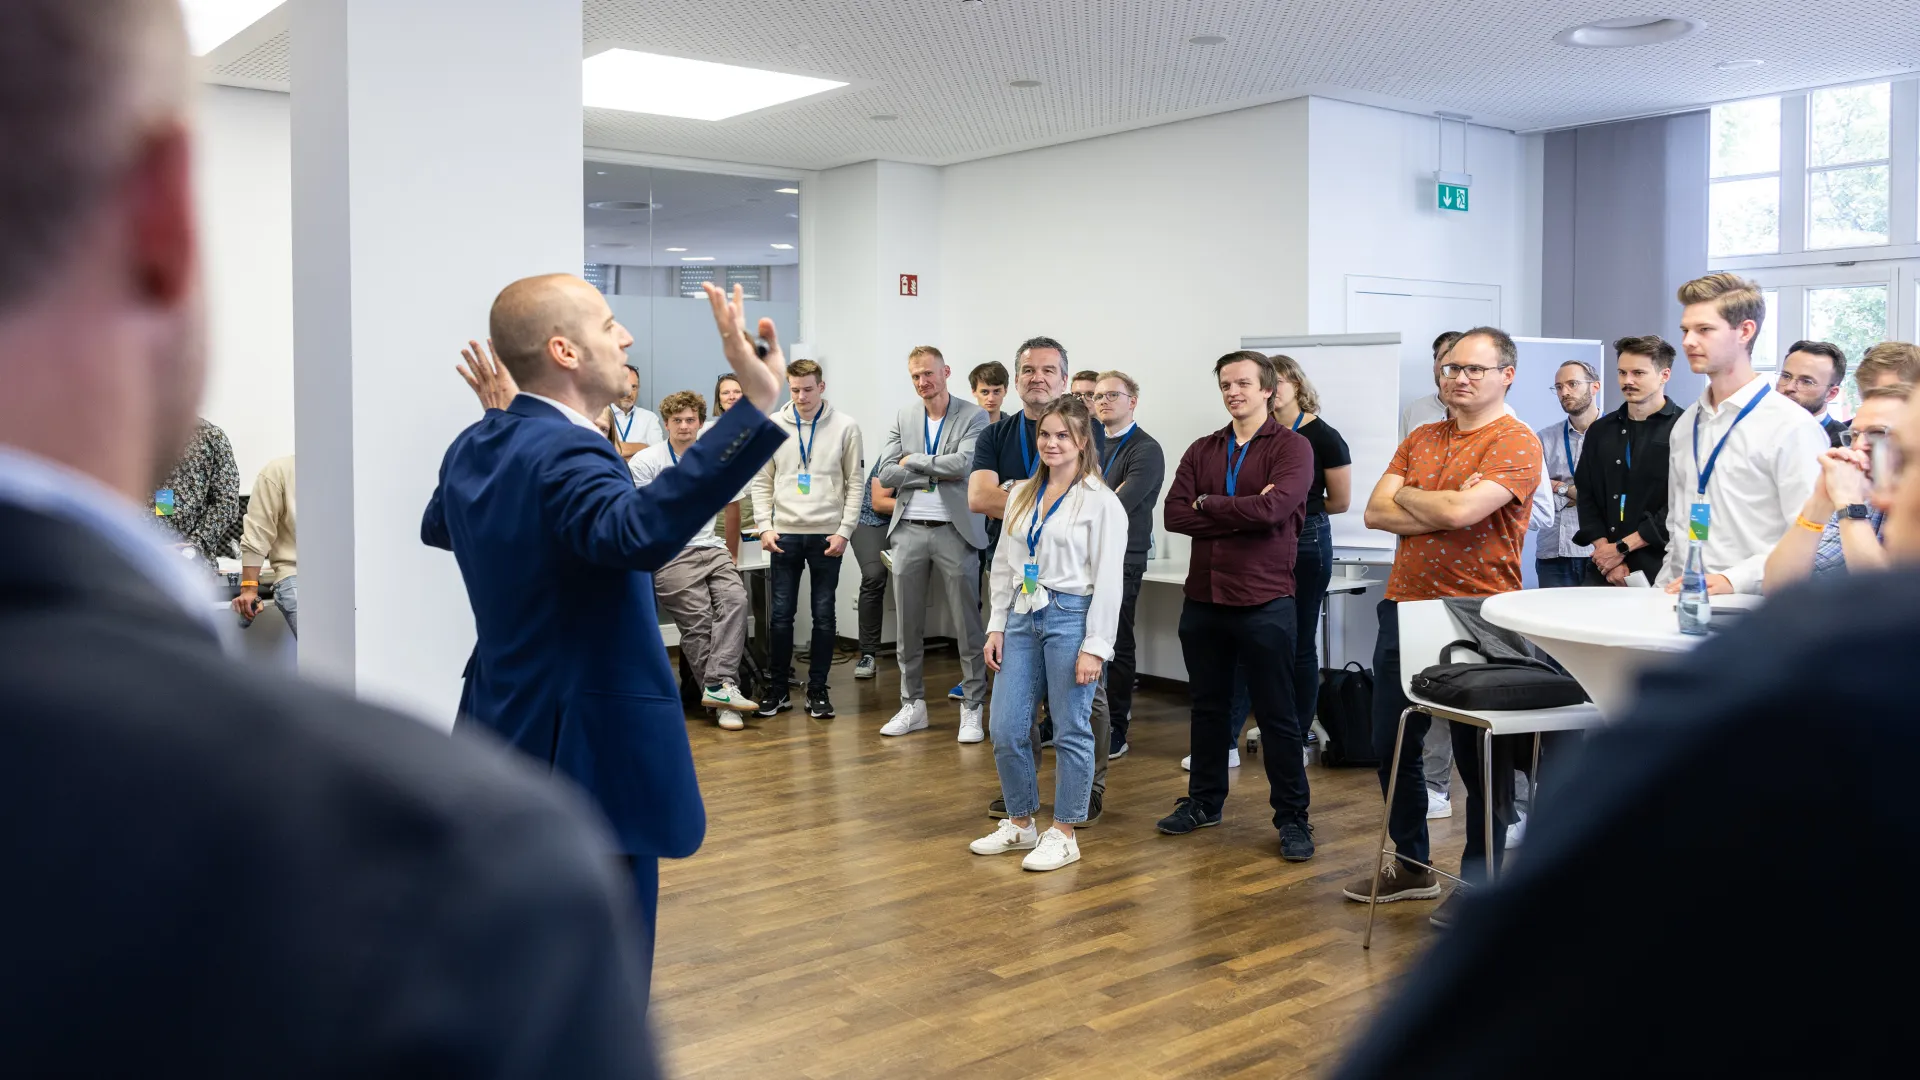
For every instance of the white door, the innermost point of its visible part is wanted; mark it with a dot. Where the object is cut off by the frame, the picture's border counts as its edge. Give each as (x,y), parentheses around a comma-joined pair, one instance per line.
(1418,311)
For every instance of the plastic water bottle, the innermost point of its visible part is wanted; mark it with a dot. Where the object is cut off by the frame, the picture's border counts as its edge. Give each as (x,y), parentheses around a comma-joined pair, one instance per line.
(1696,613)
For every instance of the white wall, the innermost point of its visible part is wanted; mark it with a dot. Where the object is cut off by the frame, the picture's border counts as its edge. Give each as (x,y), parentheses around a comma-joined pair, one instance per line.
(245,199)
(1371,198)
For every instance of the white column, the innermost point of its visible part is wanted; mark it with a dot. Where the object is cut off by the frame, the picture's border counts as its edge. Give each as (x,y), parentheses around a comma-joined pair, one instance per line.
(436,157)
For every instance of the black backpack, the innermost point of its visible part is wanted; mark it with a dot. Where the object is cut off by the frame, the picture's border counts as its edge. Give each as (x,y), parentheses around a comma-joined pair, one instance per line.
(1346,711)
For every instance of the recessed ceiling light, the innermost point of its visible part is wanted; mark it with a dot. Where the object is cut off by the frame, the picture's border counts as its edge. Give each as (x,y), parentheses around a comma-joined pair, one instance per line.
(212,23)
(793,215)
(786,191)
(1626,33)
(599,172)
(885,116)
(676,249)
(624,204)
(690,89)
(1024,84)
(696,258)
(1206,39)
(784,247)
(1738,65)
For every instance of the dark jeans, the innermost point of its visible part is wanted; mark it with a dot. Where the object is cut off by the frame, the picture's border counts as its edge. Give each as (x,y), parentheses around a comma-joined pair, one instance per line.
(1312,570)
(1407,817)
(799,553)
(1560,573)
(1213,638)
(1120,673)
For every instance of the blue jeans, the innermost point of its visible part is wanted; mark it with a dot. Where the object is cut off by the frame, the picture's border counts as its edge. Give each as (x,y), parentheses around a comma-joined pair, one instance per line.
(286,597)
(1558,573)
(799,553)
(1037,658)
(1312,570)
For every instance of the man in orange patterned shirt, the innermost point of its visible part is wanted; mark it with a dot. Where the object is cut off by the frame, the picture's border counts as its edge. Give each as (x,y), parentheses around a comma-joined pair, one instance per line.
(1458,495)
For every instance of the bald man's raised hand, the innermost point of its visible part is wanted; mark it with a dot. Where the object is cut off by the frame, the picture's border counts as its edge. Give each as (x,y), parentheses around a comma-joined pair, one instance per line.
(761,380)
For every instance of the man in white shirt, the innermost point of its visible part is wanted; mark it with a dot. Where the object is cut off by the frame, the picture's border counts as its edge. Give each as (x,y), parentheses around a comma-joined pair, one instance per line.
(936,539)
(700,589)
(636,427)
(1429,409)
(1743,458)
(1559,563)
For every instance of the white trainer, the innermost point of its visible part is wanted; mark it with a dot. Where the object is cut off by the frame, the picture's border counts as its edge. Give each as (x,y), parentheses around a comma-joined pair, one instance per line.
(911,717)
(973,727)
(1517,832)
(731,721)
(728,696)
(1008,837)
(1056,849)
(1439,805)
(1233,759)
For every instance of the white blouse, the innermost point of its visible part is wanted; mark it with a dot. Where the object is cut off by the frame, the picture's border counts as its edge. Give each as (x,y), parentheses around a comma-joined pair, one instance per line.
(1080,551)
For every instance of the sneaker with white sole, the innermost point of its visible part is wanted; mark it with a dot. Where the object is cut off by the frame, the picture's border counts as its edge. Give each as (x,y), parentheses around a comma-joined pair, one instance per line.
(1056,849)
(1186,763)
(1517,832)
(727,696)
(730,720)
(973,726)
(1439,805)
(911,717)
(958,693)
(1007,837)
(867,668)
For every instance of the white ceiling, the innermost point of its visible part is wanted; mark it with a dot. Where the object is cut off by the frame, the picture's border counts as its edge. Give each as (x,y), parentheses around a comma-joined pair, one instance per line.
(734,219)
(942,66)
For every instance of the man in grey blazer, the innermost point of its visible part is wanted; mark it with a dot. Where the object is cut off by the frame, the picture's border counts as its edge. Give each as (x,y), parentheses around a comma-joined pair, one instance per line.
(936,540)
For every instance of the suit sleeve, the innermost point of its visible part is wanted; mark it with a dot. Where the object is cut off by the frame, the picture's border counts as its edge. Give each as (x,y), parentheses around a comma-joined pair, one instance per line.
(959,464)
(433,524)
(598,513)
(1290,474)
(892,473)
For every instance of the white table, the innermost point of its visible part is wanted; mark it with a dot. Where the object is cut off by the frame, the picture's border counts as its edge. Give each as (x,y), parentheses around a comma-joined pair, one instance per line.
(1604,637)
(1347,578)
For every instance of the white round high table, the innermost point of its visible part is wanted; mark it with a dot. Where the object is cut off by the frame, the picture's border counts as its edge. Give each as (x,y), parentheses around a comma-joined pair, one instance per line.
(1605,637)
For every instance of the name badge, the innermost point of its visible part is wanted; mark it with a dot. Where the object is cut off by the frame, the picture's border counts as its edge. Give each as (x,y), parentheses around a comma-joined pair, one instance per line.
(805,483)
(163,504)
(1699,520)
(1030,578)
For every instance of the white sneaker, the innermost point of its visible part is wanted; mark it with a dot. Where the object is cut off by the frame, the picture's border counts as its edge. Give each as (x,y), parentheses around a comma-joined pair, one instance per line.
(728,697)
(1439,805)
(1008,837)
(911,717)
(1056,849)
(972,723)
(1517,832)
(731,720)
(1233,759)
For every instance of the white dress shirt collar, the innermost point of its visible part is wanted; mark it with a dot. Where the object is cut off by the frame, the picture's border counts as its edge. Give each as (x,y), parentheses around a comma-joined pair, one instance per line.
(1738,399)
(565,410)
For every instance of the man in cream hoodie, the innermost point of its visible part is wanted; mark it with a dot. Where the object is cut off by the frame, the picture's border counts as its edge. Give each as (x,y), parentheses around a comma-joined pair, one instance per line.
(807,502)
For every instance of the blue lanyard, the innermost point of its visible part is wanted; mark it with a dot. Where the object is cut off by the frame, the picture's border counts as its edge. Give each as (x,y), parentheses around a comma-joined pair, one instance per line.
(1566,443)
(1117,447)
(671,454)
(1233,463)
(806,442)
(1297,419)
(1040,523)
(933,440)
(1706,473)
(628,426)
(1029,448)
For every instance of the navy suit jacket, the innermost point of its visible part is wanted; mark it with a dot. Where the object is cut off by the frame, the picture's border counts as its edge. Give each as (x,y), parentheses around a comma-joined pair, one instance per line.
(557,547)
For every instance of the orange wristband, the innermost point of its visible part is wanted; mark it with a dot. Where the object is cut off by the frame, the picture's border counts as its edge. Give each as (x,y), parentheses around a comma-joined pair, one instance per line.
(1810,526)
(249,584)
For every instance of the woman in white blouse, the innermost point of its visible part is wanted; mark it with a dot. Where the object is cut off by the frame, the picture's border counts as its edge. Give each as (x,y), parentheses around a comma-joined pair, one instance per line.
(1056,605)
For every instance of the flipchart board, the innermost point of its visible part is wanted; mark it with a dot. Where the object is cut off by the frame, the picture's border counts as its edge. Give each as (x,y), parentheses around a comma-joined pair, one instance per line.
(1357,377)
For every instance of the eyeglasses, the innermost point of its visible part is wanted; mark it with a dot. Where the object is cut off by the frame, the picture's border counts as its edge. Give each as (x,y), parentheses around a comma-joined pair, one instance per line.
(1086,396)
(1574,384)
(1804,382)
(1863,435)
(1473,372)
(1109,396)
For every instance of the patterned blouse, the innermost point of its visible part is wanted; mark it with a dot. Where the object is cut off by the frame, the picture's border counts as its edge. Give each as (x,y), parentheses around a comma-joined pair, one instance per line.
(200,500)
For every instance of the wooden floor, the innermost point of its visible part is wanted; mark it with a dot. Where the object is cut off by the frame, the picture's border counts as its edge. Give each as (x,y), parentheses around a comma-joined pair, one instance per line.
(835,924)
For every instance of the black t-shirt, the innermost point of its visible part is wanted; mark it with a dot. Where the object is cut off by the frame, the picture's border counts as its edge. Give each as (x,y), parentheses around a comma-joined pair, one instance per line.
(999,449)
(1329,452)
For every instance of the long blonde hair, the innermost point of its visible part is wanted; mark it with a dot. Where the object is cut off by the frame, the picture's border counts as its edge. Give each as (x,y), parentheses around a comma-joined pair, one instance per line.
(1073,412)
(1303,393)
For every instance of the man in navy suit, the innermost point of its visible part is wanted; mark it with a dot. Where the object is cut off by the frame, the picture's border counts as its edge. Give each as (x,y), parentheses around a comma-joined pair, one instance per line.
(557,548)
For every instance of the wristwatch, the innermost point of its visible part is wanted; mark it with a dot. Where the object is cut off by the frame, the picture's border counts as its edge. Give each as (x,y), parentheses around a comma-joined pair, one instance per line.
(1856,511)
(1621,547)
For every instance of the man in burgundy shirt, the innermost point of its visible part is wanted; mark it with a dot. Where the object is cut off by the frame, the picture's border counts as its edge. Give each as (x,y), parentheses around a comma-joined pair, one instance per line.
(1241,493)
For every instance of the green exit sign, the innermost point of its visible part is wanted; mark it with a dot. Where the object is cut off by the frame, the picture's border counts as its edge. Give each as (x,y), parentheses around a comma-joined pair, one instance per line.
(1452,196)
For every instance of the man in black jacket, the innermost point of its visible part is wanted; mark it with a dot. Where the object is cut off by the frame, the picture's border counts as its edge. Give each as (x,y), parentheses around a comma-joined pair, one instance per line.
(1135,468)
(1620,484)
(1615,949)
(210,874)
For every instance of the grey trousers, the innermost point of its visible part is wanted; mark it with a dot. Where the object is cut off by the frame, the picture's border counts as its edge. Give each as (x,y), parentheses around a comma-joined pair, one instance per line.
(702,592)
(926,557)
(1436,756)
